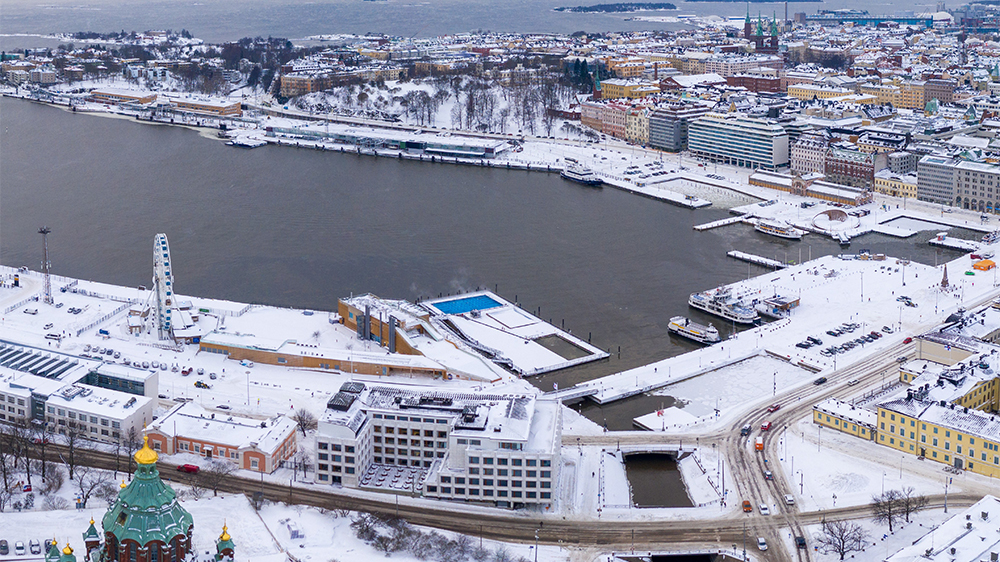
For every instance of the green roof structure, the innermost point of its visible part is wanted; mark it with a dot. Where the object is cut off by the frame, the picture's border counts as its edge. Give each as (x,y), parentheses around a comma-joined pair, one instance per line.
(147,510)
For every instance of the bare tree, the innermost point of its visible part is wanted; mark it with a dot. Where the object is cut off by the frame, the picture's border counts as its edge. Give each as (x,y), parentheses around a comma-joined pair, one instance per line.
(108,492)
(212,476)
(74,441)
(305,420)
(41,435)
(5,496)
(89,480)
(910,502)
(887,508)
(54,481)
(842,537)
(132,442)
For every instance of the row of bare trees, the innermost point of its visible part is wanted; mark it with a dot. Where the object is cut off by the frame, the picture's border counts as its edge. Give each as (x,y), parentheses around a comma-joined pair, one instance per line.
(888,508)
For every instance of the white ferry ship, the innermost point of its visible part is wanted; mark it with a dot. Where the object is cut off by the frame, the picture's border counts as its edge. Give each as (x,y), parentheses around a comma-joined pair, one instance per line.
(581,174)
(694,331)
(721,302)
(779,229)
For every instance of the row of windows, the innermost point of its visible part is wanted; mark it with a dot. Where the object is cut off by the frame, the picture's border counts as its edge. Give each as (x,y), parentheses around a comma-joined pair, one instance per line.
(489,493)
(323,446)
(409,418)
(514,462)
(409,431)
(499,472)
(336,458)
(11,400)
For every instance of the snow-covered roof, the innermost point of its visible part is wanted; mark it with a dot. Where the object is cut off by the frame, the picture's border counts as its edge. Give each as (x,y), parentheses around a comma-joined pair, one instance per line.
(969,536)
(191,421)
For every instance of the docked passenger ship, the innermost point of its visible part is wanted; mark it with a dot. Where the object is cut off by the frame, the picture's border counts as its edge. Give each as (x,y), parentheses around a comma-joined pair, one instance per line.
(692,330)
(778,228)
(721,302)
(581,174)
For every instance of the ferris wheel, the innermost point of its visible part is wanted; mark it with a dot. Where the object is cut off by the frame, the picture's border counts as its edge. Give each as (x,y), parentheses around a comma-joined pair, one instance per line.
(163,282)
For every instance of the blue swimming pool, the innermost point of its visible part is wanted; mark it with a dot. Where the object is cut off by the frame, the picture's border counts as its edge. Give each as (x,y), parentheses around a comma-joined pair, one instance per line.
(460,306)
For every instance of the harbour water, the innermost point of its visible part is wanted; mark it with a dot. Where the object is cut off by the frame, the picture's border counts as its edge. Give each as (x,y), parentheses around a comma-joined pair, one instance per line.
(220,20)
(297,227)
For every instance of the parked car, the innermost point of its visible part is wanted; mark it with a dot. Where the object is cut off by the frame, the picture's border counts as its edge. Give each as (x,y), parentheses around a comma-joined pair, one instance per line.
(19,548)
(34,546)
(213,376)
(761,543)
(5,548)
(189,468)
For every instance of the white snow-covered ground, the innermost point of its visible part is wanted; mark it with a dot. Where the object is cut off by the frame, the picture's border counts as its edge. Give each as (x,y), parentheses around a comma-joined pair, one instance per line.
(880,543)
(830,463)
(724,390)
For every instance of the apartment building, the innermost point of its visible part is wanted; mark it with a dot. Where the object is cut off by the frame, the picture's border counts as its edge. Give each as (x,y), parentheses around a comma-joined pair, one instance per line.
(495,449)
(637,126)
(739,140)
(614,118)
(977,186)
(850,167)
(897,185)
(627,88)
(668,125)
(808,154)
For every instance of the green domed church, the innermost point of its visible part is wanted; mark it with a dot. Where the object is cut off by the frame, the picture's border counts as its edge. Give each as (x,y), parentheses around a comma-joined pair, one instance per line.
(147,523)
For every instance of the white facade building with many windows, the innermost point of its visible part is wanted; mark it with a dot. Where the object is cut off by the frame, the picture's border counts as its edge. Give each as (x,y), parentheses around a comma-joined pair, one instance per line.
(96,413)
(498,449)
(740,140)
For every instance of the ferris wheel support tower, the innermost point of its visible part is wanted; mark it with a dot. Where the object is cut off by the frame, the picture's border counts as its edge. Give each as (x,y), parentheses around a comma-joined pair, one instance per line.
(163,283)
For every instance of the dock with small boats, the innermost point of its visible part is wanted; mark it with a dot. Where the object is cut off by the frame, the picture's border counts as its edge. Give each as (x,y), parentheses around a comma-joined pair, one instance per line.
(756,260)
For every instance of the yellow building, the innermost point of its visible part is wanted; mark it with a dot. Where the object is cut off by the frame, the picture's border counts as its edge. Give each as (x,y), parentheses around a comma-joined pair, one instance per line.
(637,126)
(911,95)
(810,91)
(845,417)
(883,93)
(896,185)
(620,88)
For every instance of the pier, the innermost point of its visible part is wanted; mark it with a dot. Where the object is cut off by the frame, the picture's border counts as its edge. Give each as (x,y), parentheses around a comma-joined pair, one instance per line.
(954,243)
(756,260)
(722,222)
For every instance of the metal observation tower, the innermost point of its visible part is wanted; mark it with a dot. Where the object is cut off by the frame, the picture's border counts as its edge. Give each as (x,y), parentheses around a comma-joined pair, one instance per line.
(163,284)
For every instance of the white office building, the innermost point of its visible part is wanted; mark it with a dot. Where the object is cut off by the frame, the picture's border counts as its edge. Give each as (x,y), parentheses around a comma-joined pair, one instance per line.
(495,449)
(739,140)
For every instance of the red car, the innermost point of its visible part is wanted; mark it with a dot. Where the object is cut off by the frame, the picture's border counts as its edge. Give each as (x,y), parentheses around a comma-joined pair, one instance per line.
(189,468)
(773,408)
(766,426)
(908,340)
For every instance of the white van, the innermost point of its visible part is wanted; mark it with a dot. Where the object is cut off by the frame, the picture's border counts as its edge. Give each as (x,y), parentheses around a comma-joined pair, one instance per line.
(246,363)
(31,311)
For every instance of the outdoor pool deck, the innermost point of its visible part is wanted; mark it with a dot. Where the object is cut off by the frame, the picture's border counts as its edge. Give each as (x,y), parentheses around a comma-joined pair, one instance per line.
(498,328)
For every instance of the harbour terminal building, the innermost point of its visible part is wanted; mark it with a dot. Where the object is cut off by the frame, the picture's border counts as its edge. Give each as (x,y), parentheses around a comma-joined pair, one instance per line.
(948,409)
(494,449)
